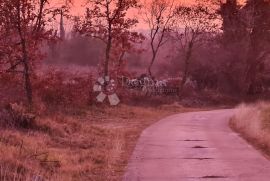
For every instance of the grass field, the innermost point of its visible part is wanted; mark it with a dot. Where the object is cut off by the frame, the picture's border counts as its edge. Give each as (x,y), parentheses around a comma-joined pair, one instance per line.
(90,144)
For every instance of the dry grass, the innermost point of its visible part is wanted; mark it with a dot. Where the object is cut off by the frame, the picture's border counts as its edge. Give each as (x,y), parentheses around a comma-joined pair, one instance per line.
(253,123)
(91,144)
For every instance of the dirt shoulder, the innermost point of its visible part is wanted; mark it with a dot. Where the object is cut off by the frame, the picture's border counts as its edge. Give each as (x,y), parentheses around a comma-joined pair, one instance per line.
(90,144)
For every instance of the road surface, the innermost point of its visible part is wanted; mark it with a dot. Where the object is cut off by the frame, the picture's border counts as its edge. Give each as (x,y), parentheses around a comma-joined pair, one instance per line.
(195,146)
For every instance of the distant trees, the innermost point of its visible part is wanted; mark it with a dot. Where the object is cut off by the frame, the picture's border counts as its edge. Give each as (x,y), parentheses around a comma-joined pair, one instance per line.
(23,28)
(193,27)
(108,21)
(158,15)
(242,45)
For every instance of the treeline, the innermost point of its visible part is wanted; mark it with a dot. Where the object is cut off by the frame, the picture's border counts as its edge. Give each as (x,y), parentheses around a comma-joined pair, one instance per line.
(246,42)
(223,46)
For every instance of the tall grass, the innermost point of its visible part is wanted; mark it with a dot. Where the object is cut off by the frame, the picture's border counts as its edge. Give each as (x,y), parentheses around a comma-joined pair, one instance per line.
(253,123)
(15,173)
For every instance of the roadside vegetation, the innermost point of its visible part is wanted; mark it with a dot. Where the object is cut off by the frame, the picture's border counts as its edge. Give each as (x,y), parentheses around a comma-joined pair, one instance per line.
(252,121)
(87,144)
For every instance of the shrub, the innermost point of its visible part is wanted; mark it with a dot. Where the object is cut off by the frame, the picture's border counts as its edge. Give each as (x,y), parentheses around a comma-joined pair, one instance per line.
(59,89)
(15,115)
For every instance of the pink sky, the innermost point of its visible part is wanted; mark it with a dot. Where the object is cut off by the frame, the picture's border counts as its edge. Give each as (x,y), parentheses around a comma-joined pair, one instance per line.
(79,9)
(78,5)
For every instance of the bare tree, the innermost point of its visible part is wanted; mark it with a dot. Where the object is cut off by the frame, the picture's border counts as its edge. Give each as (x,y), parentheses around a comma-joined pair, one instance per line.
(24,26)
(193,27)
(158,15)
(107,20)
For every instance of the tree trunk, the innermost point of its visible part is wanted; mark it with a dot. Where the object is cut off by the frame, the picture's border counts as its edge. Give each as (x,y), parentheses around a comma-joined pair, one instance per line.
(152,63)
(251,69)
(107,60)
(108,52)
(120,62)
(251,74)
(26,72)
(186,68)
(25,61)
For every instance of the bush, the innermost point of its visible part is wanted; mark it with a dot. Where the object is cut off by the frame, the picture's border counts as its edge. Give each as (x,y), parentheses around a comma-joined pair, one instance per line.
(15,115)
(59,89)
(11,89)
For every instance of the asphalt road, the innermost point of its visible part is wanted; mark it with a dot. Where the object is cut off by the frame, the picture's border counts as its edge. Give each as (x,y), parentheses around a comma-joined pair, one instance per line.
(196,146)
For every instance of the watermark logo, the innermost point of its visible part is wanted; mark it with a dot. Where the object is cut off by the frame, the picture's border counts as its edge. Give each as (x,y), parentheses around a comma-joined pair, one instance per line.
(106,88)
(150,86)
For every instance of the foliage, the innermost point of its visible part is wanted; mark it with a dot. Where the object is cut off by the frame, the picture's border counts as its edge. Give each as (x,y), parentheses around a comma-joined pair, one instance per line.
(246,38)
(58,89)
(108,22)
(24,28)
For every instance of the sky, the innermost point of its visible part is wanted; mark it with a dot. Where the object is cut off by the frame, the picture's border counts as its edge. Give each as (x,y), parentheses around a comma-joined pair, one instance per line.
(79,9)
(78,5)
